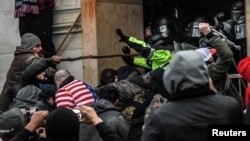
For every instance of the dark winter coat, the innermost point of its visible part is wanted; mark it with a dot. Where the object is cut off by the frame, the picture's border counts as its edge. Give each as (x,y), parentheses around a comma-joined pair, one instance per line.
(14,74)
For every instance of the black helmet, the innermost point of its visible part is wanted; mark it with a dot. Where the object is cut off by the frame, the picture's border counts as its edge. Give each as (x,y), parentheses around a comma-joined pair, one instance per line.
(156,40)
(194,27)
(164,25)
(238,7)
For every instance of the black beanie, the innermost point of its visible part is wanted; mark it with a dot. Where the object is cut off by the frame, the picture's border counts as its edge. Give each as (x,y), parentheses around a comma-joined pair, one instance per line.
(124,71)
(46,94)
(62,124)
(157,82)
(29,40)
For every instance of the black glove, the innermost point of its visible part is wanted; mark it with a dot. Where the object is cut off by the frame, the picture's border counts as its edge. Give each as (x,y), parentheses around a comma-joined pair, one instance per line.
(127,59)
(143,51)
(138,48)
(126,50)
(219,25)
(123,37)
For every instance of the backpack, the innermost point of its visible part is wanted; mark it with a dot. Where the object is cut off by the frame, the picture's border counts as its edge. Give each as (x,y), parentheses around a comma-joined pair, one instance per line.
(157,101)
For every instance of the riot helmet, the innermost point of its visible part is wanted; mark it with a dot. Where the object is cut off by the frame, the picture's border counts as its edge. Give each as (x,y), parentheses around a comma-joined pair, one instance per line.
(164,25)
(237,9)
(240,28)
(194,27)
(156,40)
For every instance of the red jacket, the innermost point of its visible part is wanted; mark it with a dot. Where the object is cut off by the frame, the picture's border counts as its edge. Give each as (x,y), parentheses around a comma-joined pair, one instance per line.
(244,71)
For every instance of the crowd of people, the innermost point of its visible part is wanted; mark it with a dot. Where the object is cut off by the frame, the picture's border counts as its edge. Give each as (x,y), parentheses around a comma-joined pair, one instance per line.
(184,89)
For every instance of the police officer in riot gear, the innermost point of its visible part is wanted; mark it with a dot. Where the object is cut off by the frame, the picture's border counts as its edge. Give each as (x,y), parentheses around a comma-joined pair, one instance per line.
(164,32)
(235,27)
(194,37)
(165,26)
(194,27)
(160,46)
(238,16)
(237,9)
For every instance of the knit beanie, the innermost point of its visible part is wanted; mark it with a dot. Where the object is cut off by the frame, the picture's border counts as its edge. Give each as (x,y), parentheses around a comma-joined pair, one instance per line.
(62,124)
(124,71)
(29,40)
(205,53)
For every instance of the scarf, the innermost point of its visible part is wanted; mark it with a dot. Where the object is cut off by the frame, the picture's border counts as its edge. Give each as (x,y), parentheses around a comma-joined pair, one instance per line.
(23,7)
(66,81)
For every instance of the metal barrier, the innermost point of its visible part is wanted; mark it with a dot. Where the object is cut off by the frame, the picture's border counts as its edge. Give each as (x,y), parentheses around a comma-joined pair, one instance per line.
(240,81)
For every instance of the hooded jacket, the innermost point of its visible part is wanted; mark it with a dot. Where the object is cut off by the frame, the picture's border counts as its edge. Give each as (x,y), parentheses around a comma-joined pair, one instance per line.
(192,105)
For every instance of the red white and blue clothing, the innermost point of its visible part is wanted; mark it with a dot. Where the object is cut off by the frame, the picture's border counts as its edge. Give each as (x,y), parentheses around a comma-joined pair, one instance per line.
(23,7)
(74,94)
(36,16)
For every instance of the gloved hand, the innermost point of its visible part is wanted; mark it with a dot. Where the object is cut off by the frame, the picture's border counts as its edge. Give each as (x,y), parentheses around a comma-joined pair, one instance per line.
(126,50)
(123,37)
(143,51)
(138,48)
(218,25)
(127,59)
